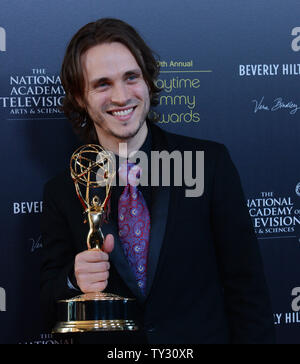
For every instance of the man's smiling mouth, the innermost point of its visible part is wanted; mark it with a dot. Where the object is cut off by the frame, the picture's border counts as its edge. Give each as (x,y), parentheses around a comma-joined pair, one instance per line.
(122,112)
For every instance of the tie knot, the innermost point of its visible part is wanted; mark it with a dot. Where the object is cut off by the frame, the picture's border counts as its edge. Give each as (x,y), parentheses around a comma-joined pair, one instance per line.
(130,174)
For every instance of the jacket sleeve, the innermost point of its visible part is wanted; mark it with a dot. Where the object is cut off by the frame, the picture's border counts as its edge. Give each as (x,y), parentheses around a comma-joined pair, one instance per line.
(241,269)
(57,262)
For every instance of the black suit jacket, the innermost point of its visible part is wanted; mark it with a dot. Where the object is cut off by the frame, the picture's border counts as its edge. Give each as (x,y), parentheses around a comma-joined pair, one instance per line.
(205,280)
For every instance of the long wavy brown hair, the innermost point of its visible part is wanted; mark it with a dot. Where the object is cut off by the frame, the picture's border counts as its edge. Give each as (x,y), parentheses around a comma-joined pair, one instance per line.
(102,31)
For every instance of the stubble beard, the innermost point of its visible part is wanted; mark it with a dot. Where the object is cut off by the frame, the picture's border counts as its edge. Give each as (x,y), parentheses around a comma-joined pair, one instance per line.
(131,135)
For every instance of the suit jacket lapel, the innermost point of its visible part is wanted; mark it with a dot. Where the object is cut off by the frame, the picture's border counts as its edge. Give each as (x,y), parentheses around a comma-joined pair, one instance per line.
(159,212)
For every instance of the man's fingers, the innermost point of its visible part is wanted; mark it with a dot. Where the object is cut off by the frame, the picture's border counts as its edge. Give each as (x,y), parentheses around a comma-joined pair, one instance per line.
(92,267)
(93,278)
(93,256)
(97,267)
(100,277)
(94,287)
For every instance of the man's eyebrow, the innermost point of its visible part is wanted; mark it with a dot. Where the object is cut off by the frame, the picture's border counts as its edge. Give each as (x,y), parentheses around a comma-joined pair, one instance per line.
(134,71)
(97,81)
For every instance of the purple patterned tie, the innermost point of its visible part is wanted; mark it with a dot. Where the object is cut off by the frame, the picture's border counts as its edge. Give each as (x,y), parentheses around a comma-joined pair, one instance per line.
(134,223)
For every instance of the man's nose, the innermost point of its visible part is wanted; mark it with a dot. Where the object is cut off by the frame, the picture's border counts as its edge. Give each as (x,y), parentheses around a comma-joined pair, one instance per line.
(119,94)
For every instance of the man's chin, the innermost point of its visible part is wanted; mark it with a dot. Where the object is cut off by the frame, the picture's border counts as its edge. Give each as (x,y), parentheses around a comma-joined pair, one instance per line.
(127,134)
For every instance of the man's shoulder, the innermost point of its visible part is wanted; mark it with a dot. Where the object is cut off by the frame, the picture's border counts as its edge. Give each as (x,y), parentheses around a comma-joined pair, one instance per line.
(187,143)
(60,182)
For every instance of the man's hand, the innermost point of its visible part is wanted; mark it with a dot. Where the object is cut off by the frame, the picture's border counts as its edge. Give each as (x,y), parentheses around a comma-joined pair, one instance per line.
(92,267)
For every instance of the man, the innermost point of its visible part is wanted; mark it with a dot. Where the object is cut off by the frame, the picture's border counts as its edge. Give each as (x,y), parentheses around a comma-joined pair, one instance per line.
(203,278)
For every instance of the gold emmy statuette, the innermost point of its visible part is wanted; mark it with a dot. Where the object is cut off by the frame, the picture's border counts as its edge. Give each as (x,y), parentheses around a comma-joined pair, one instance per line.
(92,167)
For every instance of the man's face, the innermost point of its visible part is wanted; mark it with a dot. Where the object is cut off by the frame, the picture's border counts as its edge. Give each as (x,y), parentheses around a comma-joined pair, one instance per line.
(116,94)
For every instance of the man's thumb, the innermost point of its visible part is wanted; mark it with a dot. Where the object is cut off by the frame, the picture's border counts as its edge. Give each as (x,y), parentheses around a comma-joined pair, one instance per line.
(109,243)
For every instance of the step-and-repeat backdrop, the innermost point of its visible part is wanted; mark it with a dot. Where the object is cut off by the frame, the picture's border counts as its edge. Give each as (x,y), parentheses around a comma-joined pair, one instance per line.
(230,71)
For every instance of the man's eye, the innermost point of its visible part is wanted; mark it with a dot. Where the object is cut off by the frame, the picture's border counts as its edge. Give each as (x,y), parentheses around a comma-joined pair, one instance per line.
(102,84)
(132,77)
